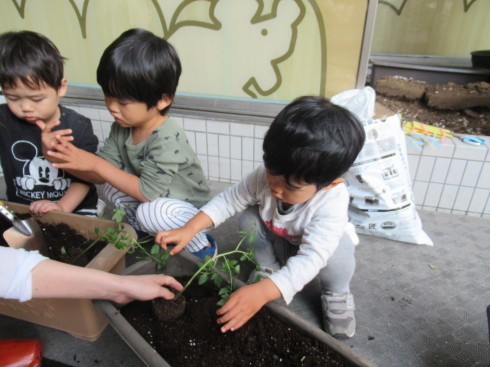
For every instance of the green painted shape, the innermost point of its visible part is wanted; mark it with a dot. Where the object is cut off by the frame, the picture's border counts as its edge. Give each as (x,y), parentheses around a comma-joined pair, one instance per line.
(252,87)
(20,8)
(82,17)
(175,24)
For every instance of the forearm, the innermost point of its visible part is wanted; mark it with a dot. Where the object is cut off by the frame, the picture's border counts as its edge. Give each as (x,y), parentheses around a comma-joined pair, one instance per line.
(199,222)
(73,196)
(86,176)
(121,180)
(75,282)
(270,290)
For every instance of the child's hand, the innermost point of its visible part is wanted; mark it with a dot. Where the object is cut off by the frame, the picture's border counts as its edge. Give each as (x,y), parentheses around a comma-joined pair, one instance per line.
(69,157)
(49,137)
(179,237)
(41,207)
(246,302)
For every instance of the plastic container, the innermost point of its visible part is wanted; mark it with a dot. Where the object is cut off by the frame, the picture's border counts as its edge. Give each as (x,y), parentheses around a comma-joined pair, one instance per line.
(77,317)
(481,59)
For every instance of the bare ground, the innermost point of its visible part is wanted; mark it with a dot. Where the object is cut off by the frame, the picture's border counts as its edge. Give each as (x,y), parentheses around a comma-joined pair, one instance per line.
(461,109)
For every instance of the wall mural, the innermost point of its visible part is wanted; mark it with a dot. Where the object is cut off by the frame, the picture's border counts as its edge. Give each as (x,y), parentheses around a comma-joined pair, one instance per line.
(398,5)
(266,49)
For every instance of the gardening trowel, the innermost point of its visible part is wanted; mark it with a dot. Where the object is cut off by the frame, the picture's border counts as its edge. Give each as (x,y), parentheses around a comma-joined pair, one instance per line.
(25,233)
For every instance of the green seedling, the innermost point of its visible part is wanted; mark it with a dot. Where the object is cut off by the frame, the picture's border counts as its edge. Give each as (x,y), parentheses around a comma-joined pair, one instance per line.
(121,238)
(210,271)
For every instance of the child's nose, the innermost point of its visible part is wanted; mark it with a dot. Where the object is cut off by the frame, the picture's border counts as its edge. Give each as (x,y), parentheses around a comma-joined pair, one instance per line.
(26,106)
(276,190)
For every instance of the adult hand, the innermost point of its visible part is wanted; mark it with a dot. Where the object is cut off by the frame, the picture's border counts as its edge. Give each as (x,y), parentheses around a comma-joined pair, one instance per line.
(41,207)
(146,287)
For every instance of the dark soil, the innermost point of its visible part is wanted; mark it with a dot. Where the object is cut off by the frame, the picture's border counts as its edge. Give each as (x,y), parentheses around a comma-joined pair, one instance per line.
(64,243)
(463,109)
(196,340)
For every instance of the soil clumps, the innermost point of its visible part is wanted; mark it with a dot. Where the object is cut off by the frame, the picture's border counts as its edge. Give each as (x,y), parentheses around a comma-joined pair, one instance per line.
(463,109)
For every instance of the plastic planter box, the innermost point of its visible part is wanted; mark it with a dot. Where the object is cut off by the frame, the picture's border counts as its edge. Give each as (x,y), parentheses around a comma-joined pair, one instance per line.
(77,317)
(184,264)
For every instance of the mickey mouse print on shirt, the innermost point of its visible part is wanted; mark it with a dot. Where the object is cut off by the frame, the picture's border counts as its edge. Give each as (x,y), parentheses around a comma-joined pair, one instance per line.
(39,179)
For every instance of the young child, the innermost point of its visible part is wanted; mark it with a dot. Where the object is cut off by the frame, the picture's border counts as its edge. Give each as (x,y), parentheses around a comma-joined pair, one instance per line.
(146,163)
(298,202)
(32,81)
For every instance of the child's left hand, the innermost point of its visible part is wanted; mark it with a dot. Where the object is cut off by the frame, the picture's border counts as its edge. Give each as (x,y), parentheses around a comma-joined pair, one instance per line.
(41,207)
(245,302)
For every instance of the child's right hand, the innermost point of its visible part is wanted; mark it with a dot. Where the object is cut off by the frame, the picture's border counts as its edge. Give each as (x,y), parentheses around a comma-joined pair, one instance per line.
(179,237)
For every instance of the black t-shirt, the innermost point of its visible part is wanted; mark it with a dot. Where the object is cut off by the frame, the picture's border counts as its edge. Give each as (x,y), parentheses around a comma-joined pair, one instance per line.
(28,175)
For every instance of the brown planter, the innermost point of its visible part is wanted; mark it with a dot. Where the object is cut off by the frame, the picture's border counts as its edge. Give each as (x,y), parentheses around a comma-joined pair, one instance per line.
(77,317)
(185,265)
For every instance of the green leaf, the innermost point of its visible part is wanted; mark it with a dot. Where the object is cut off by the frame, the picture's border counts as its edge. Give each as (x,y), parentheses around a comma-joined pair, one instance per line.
(155,249)
(432,266)
(203,279)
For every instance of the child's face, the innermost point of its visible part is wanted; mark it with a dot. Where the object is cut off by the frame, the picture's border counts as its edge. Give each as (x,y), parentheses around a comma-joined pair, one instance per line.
(34,104)
(129,113)
(293,192)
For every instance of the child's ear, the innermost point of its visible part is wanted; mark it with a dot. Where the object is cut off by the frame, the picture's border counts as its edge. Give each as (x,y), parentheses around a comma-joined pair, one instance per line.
(334,183)
(164,102)
(63,87)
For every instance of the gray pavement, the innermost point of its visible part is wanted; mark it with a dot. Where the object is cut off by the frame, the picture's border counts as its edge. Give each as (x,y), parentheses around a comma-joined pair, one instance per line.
(416,305)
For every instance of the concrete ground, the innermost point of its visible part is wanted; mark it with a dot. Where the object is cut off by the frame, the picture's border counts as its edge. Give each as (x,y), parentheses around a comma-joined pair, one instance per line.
(416,305)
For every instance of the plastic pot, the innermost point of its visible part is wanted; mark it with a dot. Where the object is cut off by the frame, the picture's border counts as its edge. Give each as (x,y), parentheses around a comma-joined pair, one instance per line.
(481,59)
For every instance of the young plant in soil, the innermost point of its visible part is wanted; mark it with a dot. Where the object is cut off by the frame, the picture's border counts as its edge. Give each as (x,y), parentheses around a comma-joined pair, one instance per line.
(122,239)
(209,270)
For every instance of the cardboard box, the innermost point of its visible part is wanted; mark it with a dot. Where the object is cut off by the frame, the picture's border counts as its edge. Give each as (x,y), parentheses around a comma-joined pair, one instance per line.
(77,317)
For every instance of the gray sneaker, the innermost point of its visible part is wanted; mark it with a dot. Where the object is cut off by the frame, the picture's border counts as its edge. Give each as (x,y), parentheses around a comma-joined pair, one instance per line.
(338,315)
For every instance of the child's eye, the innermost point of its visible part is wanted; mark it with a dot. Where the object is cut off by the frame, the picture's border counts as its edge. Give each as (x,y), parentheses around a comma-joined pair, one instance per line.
(37,99)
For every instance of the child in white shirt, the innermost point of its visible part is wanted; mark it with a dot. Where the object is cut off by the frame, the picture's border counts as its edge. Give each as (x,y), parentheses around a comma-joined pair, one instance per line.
(299,203)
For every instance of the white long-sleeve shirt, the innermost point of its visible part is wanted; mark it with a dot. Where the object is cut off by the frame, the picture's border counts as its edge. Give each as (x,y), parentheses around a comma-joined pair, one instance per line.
(315,226)
(15,272)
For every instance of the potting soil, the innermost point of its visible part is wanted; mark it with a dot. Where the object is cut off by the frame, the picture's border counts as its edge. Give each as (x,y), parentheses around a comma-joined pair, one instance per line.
(195,339)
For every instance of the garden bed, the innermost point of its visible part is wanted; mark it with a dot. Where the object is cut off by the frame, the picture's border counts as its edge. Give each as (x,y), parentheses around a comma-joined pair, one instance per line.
(273,337)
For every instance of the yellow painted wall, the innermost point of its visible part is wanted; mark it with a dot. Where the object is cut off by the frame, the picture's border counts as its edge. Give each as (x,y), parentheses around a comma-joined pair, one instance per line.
(267,49)
(450,28)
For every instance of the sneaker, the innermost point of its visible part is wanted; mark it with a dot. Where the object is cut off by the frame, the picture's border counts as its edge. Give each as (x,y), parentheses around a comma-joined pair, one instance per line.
(210,251)
(338,315)
(100,208)
(257,275)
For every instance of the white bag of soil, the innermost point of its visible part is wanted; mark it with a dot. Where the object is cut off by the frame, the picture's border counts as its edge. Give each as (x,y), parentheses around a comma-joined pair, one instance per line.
(379,182)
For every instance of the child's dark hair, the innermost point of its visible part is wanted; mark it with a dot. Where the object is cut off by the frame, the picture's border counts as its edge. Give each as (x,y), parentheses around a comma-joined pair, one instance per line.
(31,58)
(139,66)
(312,141)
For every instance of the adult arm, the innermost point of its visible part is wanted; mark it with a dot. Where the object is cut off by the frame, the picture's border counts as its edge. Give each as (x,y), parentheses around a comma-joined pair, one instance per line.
(27,274)
(52,279)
